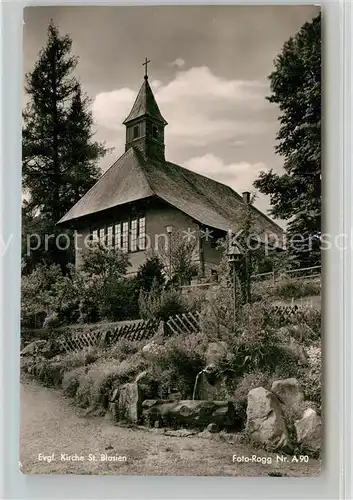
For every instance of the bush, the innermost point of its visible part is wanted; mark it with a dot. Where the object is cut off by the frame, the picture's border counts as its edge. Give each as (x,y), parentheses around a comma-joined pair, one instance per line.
(125,348)
(176,366)
(260,351)
(50,373)
(150,273)
(161,304)
(71,382)
(295,288)
(311,377)
(102,377)
(217,313)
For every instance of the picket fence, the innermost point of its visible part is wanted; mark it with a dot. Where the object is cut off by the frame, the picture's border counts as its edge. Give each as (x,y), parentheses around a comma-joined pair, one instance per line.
(138,330)
(131,330)
(183,323)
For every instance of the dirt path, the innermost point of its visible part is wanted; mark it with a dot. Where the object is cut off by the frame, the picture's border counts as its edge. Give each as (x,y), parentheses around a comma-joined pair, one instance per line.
(50,425)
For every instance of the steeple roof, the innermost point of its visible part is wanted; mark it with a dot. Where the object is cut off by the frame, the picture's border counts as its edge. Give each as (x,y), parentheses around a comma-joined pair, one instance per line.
(145,105)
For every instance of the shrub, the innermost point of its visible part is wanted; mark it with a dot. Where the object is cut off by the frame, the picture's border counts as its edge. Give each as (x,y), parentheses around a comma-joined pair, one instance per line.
(176,366)
(101,377)
(161,304)
(311,377)
(262,351)
(84,357)
(152,271)
(217,313)
(125,348)
(50,373)
(71,382)
(289,288)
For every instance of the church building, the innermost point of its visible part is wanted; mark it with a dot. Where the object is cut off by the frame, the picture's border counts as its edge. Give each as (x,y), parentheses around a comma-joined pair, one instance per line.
(143,199)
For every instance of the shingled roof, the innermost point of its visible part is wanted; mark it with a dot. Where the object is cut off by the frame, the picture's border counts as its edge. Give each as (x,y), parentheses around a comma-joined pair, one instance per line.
(145,105)
(133,177)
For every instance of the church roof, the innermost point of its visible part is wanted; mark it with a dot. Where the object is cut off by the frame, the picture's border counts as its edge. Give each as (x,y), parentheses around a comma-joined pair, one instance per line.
(145,104)
(132,178)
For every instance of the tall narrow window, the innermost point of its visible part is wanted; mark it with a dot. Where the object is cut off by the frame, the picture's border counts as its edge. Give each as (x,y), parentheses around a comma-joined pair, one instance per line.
(110,236)
(142,233)
(136,132)
(102,236)
(125,237)
(118,235)
(94,238)
(133,242)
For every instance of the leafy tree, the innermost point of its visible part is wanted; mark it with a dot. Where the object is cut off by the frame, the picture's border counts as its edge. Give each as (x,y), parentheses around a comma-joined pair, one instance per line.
(296,195)
(59,155)
(105,290)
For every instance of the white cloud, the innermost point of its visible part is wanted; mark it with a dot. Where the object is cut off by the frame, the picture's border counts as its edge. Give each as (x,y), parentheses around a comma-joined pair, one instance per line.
(200,107)
(239,176)
(178,62)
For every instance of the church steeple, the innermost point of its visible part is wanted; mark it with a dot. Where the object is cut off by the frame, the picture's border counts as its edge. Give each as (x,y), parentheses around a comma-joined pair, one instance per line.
(145,123)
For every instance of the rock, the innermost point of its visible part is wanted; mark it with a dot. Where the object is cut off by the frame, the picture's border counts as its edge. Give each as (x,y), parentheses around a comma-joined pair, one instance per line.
(190,413)
(265,424)
(216,352)
(152,350)
(212,427)
(309,432)
(148,386)
(288,392)
(33,348)
(128,407)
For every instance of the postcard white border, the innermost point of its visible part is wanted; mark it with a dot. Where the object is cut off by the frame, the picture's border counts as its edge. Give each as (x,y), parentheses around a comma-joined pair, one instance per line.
(335,482)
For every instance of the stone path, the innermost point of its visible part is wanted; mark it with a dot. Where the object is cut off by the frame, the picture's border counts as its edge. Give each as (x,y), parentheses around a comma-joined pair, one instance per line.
(51,425)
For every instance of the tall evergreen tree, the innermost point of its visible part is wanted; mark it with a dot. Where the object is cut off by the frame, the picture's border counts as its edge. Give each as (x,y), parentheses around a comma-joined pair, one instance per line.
(295,196)
(59,155)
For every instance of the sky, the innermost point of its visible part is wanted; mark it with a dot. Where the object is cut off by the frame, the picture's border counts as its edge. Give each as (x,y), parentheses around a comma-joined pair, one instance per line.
(208,70)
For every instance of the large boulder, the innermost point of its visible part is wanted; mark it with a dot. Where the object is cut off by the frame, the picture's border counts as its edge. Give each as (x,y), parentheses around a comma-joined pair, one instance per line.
(188,413)
(265,424)
(128,405)
(216,352)
(309,432)
(288,392)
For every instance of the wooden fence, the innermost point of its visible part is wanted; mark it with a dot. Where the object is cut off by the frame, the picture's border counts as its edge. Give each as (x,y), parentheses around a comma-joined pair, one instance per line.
(137,330)
(183,323)
(302,273)
(131,330)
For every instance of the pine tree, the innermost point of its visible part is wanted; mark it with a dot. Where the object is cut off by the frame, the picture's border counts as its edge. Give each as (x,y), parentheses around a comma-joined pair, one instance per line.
(295,196)
(59,156)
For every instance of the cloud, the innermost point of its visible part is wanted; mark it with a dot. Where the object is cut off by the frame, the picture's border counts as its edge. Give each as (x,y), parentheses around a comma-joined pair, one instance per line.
(178,63)
(239,176)
(200,107)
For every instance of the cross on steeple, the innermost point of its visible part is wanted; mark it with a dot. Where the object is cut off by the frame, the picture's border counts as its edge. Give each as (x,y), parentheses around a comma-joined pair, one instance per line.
(145,65)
